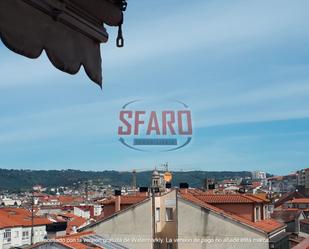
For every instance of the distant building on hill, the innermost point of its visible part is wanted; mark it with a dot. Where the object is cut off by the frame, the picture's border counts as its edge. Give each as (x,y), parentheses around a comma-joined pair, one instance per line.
(282,184)
(258,175)
(9,202)
(303,177)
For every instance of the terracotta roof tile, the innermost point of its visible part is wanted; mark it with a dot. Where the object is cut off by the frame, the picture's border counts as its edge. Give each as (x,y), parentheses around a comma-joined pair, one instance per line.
(256,184)
(125,200)
(300,201)
(19,217)
(266,226)
(286,215)
(228,198)
(68,199)
(77,222)
(69,215)
(262,196)
(74,241)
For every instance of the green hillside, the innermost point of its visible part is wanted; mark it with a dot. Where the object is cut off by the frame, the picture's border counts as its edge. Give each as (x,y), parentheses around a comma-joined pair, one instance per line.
(19,180)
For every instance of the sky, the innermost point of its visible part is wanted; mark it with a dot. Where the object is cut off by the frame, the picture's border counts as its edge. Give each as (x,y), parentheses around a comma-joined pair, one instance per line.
(241,66)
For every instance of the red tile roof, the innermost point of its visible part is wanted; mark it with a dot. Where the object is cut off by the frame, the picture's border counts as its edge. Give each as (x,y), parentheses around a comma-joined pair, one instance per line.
(63,199)
(228,198)
(19,217)
(275,178)
(68,199)
(286,215)
(223,199)
(125,200)
(77,222)
(266,226)
(262,196)
(69,215)
(74,241)
(256,184)
(299,201)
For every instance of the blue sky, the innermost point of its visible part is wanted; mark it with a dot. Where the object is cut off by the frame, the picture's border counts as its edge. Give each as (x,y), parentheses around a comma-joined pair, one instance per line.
(241,66)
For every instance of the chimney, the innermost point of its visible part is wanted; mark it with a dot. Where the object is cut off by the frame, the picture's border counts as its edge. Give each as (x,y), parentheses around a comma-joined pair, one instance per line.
(184,187)
(143,191)
(117,200)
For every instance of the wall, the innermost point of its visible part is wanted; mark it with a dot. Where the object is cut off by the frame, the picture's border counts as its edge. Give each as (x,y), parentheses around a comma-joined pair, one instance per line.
(81,213)
(131,224)
(307,179)
(195,222)
(17,239)
(109,209)
(242,210)
(166,230)
(1,238)
(39,234)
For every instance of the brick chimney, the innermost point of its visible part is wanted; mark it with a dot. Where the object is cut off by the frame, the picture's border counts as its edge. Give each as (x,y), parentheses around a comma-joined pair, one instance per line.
(117,200)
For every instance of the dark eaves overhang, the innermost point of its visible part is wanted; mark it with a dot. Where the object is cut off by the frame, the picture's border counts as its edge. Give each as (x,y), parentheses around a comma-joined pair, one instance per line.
(70,31)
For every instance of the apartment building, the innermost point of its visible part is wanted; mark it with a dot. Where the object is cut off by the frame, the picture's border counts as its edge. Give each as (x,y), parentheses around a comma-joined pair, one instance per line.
(189,218)
(299,203)
(258,175)
(131,226)
(15,228)
(291,217)
(165,220)
(215,221)
(303,178)
(283,184)
(9,202)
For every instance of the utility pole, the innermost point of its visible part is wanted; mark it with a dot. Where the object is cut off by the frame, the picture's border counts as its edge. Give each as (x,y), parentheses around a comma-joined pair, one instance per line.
(32,217)
(153,215)
(86,190)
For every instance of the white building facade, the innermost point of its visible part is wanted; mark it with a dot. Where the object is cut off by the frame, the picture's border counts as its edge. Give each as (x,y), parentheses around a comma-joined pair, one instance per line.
(20,236)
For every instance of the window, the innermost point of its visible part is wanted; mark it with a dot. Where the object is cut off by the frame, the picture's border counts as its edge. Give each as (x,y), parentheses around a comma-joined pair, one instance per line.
(302,206)
(157,214)
(7,235)
(169,214)
(155,183)
(25,235)
(257,214)
(169,246)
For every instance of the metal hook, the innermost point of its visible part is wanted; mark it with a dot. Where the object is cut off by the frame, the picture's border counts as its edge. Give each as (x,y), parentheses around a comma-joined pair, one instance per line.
(120,40)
